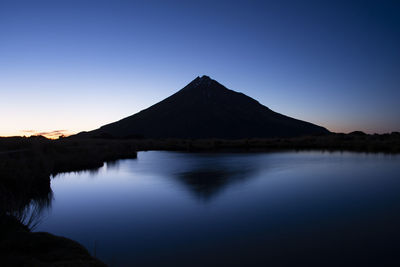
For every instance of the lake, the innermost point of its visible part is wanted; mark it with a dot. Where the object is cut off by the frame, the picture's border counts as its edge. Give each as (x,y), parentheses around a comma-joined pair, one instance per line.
(233,209)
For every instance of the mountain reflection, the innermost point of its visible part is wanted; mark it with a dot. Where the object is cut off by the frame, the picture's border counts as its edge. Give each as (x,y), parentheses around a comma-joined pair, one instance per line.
(207,183)
(204,175)
(206,179)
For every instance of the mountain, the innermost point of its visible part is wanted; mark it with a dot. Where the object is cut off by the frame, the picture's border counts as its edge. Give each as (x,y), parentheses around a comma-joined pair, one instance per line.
(206,109)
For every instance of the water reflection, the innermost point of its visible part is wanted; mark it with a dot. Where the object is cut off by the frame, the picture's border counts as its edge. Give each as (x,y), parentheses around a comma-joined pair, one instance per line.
(277,209)
(207,181)
(113,165)
(204,175)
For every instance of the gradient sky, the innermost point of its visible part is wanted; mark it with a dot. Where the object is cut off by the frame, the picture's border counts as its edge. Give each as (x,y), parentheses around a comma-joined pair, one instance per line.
(77,65)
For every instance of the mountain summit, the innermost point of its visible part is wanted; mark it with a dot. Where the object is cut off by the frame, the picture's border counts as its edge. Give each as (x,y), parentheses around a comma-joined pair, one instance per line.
(206,109)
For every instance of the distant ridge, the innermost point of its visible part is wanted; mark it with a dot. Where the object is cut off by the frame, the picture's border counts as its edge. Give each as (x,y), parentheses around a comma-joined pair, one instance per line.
(206,109)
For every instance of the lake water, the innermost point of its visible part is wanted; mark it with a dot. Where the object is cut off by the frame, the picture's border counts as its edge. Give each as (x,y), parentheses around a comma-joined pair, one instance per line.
(233,209)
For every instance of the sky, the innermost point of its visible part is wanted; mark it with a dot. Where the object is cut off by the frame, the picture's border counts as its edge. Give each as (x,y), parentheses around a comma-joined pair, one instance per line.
(71,66)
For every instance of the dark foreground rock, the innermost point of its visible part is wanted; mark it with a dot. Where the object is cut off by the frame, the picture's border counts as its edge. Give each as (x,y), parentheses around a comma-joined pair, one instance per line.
(20,247)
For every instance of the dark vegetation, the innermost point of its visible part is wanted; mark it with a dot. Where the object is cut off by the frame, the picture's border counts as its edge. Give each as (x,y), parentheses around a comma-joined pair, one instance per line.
(356,141)
(206,109)
(26,165)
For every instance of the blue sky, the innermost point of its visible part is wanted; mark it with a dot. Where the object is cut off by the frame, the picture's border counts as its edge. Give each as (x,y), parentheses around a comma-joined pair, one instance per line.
(77,65)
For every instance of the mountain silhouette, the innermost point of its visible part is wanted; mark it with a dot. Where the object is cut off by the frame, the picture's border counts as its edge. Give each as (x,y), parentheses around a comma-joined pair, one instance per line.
(206,109)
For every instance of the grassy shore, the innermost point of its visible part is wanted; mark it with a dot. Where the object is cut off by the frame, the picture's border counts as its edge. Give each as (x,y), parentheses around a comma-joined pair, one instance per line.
(26,165)
(357,141)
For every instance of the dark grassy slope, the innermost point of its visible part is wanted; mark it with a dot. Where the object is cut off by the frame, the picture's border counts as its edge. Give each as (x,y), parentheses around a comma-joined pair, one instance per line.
(206,109)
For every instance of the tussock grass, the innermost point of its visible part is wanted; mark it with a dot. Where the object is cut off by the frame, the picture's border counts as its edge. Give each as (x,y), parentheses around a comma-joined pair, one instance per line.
(27,163)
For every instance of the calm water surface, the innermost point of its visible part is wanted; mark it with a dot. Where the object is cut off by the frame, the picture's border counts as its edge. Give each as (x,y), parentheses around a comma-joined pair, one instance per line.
(253,209)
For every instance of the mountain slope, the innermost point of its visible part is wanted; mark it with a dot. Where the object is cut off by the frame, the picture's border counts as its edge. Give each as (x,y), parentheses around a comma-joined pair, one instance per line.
(206,109)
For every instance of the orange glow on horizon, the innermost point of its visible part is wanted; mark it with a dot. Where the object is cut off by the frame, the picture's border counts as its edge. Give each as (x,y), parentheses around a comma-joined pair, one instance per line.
(55,134)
